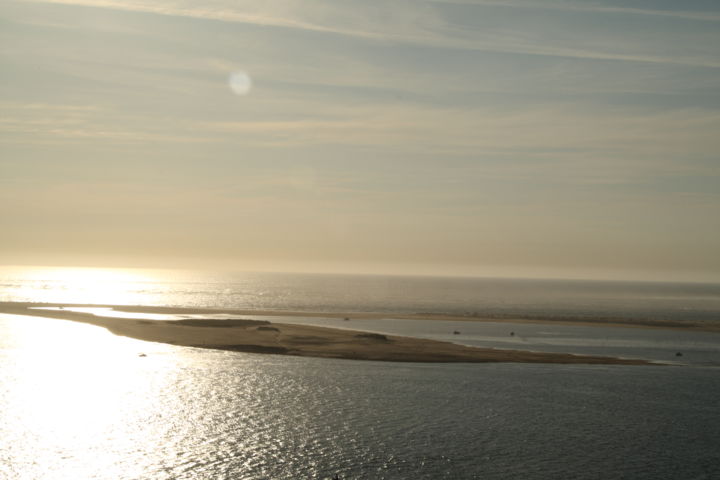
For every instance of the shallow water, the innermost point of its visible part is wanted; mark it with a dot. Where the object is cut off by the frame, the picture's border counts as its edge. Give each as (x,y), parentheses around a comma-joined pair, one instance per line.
(81,403)
(697,348)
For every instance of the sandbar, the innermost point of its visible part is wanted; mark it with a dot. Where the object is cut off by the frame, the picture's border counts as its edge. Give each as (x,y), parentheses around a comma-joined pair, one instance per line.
(468,317)
(262,336)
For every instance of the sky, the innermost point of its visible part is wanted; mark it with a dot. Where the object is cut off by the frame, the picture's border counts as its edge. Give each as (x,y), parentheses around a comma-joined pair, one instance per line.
(456,137)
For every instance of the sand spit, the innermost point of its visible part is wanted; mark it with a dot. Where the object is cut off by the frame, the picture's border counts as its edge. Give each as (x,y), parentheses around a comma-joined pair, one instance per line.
(470,317)
(260,336)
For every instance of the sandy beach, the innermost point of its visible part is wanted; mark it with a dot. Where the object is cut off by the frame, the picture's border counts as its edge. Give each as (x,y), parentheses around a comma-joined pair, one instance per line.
(261,336)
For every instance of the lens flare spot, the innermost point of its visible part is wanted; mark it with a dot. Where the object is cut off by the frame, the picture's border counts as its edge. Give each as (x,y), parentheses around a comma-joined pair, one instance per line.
(240,83)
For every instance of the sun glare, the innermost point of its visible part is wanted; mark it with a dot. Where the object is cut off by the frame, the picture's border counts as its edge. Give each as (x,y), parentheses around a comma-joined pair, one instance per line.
(97,286)
(71,384)
(240,83)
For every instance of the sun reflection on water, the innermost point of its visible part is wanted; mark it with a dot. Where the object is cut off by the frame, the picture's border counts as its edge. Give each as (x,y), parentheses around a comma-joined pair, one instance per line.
(99,286)
(77,398)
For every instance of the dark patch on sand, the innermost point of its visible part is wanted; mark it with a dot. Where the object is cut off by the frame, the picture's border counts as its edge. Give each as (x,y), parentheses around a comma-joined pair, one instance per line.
(268,329)
(373,336)
(214,323)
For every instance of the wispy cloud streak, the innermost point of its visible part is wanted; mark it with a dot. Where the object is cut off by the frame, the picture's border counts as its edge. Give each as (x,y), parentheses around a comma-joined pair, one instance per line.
(708,16)
(424,25)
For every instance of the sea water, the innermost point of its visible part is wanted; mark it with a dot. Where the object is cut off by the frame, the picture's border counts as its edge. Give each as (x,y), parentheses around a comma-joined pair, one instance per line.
(482,297)
(81,403)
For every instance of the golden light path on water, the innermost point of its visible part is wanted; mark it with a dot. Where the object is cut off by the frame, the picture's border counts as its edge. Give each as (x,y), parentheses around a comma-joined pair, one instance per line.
(76,398)
(83,285)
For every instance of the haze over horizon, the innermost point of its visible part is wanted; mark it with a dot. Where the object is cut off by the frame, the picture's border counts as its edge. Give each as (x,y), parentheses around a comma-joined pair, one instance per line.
(471,137)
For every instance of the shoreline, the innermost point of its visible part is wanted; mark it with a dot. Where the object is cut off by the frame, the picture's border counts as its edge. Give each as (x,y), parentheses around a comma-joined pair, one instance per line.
(263,336)
(579,321)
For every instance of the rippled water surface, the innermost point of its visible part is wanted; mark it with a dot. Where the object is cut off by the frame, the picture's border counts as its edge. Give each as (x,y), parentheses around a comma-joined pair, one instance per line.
(82,403)
(78,402)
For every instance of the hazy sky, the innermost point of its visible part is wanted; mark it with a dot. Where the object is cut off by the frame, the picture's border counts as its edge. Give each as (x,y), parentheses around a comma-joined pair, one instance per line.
(519,137)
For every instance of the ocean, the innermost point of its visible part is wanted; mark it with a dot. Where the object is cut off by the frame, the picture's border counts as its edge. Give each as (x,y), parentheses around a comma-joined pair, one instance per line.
(484,297)
(79,402)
